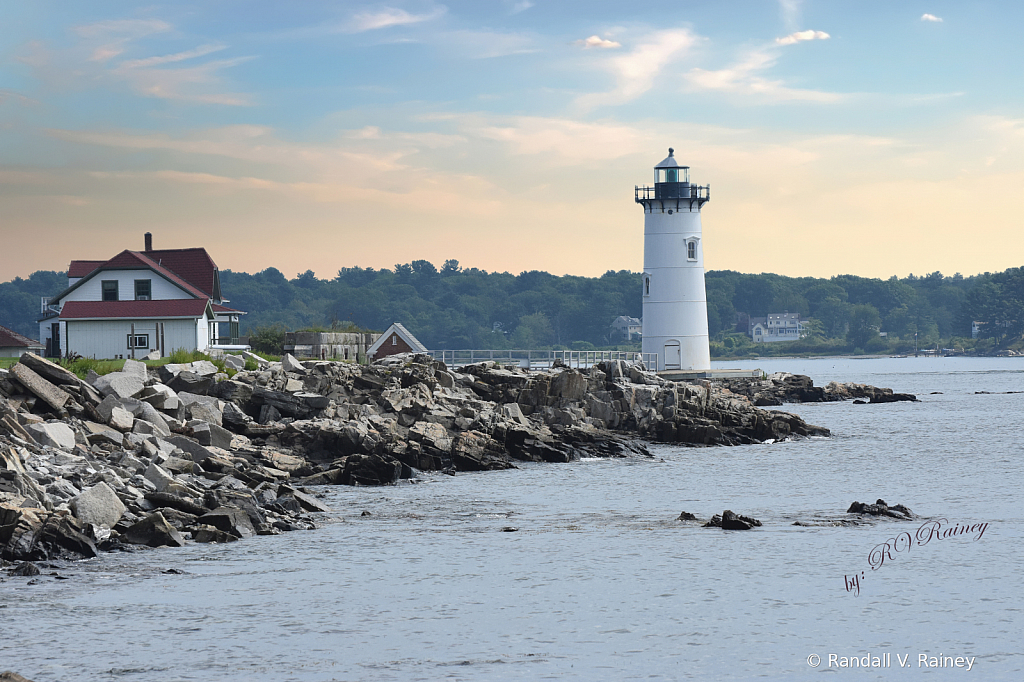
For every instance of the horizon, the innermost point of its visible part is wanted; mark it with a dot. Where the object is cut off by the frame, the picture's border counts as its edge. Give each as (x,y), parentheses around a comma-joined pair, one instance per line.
(838,137)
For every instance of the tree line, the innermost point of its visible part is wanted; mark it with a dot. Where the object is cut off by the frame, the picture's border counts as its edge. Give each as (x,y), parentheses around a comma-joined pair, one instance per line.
(457,307)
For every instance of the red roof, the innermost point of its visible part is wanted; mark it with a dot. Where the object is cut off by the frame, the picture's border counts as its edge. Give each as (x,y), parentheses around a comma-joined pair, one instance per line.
(81,268)
(191,266)
(12,339)
(135,259)
(83,310)
(224,309)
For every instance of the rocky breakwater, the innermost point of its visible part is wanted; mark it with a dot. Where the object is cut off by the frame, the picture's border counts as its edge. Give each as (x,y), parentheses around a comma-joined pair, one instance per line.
(181,452)
(783,387)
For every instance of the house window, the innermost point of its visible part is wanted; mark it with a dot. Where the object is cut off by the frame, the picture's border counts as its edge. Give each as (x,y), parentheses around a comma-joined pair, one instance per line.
(757,332)
(394,339)
(143,289)
(691,250)
(138,340)
(110,290)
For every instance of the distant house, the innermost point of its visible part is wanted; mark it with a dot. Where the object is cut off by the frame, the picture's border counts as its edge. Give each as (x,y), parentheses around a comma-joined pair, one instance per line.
(14,345)
(626,328)
(397,339)
(776,327)
(138,302)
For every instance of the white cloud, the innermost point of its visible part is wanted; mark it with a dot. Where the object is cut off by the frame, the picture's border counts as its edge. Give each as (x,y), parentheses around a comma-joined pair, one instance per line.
(486,44)
(931,17)
(597,41)
(387,17)
(116,34)
(521,6)
(801,36)
(790,12)
(200,51)
(636,71)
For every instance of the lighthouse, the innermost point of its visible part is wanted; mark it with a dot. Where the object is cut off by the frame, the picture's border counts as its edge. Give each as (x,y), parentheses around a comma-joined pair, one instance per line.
(675,308)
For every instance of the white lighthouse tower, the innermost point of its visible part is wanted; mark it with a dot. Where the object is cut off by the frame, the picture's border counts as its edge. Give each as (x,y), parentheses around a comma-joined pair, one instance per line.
(675,324)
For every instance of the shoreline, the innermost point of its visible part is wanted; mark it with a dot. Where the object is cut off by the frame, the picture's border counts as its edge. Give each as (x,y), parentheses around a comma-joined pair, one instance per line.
(173,455)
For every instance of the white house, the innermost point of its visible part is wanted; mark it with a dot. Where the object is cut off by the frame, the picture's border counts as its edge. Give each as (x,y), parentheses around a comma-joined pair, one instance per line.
(138,302)
(776,327)
(14,345)
(627,328)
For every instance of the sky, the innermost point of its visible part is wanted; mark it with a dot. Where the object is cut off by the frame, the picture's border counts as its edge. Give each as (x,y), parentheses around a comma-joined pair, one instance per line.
(838,137)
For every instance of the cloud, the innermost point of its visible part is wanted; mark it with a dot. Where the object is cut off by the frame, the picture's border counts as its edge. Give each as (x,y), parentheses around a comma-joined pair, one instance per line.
(596,41)
(117,33)
(801,36)
(200,51)
(636,71)
(187,84)
(521,6)
(744,77)
(931,17)
(389,16)
(790,12)
(487,44)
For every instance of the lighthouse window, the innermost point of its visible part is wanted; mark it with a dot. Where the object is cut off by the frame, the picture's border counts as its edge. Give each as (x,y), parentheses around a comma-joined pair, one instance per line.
(691,250)
(672,175)
(647,286)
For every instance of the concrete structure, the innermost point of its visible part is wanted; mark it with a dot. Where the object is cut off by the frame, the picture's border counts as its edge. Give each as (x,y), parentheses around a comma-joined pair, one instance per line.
(330,345)
(626,328)
(14,345)
(138,302)
(674,300)
(776,327)
(396,339)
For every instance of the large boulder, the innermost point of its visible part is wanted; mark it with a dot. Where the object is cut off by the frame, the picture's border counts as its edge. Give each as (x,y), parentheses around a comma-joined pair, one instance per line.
(229,520)
(154,531)
(290,364)
(98,505)
(190,382)
(35,535)
(40,387)
(120,384)
(371,470)
(55,434)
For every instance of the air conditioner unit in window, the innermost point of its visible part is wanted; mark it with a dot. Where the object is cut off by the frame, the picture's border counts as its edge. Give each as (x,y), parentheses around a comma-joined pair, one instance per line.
(142,298)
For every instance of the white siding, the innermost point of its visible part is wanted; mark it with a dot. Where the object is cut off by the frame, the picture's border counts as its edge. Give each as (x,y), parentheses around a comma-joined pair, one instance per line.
(161,289)
(106,339)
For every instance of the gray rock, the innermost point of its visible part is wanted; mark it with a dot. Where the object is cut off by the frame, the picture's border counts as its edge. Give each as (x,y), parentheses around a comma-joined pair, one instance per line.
(154,531)
(135,368)
(119,384)
(208,412)
(121,419)
(159,476)
(161,397)
(290,364)
(229,520)
(190,382)
(99,505)
(234,362)
(55,434)
(40,387)
(204,368)
(106,406)
(514,412)
(148,413)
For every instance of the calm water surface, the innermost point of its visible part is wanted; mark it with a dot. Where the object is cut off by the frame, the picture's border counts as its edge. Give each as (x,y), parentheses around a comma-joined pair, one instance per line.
(600,582)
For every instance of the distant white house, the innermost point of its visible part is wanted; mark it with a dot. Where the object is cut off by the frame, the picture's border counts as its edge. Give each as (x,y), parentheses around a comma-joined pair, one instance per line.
(14,345)
(776,327)
(626,328)
(138,302)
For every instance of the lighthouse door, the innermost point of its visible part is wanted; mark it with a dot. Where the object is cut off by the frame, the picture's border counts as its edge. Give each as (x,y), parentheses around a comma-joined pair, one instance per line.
(673,360)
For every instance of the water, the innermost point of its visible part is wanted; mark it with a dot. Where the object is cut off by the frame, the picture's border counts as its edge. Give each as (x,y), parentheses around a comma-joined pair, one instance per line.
(599,582)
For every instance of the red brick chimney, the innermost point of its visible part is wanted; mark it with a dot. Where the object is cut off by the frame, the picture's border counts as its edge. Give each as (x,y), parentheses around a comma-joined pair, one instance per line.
(149,241)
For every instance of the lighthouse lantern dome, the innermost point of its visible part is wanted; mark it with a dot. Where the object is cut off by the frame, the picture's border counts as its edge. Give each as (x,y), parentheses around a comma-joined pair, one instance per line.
(669,170)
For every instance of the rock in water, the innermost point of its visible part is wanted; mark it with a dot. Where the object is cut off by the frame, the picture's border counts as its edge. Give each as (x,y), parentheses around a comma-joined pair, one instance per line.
(154,531)
(880,508)
(733,521)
